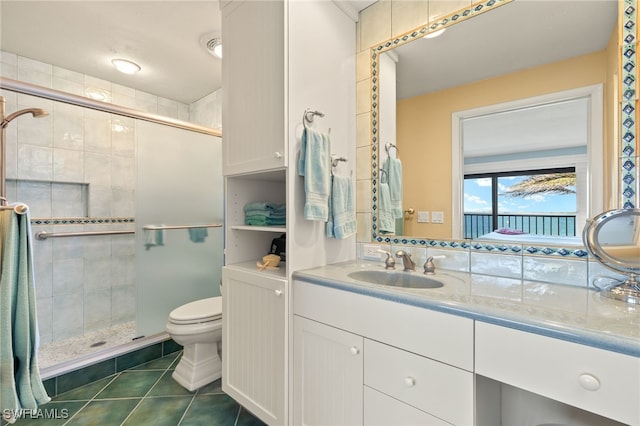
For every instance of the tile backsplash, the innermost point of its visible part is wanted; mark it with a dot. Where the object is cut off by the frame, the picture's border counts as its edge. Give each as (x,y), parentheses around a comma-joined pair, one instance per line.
(519,266)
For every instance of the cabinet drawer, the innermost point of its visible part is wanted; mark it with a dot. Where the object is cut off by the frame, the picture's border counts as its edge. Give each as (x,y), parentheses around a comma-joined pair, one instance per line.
(382,410)
(595,380)
(438,389)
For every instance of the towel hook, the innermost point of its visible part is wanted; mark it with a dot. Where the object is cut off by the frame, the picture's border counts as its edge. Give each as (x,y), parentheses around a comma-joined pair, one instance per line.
(383,173)
(307,116)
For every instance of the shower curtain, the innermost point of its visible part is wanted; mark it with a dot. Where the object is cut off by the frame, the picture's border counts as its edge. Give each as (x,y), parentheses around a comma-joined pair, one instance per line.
(20,383)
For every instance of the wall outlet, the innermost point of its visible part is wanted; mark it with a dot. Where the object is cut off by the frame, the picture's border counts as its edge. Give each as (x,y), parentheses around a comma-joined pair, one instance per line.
(370,252)
(437,217)
(423,217)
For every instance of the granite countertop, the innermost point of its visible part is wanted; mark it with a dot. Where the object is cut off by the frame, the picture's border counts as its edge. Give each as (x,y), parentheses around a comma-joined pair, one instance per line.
(566,312)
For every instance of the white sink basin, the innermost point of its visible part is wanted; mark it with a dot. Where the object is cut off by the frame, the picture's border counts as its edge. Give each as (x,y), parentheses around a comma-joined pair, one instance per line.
(396,279)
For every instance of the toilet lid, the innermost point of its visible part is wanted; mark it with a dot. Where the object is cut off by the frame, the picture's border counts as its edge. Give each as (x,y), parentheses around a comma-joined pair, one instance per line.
(198,311)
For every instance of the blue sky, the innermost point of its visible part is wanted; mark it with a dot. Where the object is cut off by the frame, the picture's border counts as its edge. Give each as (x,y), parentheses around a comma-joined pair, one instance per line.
(477,198)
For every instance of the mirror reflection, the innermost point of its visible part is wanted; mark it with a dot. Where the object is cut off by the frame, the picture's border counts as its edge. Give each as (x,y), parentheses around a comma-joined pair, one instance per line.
(499,125)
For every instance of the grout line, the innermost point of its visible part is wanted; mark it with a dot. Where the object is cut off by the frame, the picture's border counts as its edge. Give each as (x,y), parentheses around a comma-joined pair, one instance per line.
(92,398)
(187,409)
(145,395)
(237,415)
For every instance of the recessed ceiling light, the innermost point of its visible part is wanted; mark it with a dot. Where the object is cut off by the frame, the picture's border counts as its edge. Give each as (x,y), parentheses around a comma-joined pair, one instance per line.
(125,67)
(435,33)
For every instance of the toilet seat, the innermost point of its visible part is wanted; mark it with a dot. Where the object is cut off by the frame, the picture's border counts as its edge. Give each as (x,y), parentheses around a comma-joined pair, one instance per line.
(199,311)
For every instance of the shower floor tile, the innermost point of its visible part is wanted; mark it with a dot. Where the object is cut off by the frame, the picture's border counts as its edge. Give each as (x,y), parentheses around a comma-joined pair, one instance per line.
(50,354)
(140,396)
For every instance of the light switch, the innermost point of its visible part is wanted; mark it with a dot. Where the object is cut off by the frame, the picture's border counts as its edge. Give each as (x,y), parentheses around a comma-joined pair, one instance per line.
(437,217)
(423,217)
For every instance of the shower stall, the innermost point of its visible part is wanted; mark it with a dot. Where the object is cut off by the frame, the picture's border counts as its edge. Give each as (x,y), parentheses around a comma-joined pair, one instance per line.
(102,183)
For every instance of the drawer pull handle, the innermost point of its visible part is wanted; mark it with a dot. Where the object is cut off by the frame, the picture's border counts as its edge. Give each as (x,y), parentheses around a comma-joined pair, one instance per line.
(410,381)
(354,350)
(589,382)
(278,292)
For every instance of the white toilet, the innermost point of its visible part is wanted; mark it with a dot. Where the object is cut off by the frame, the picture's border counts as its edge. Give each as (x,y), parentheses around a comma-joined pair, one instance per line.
(197,326)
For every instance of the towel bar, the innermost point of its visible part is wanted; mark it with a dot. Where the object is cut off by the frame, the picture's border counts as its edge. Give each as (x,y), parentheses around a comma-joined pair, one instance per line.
(160,227)
(43,235)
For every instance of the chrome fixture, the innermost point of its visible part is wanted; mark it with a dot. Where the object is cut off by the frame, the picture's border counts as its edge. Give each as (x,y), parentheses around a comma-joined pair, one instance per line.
(408,264)
(4,122)
(389,262)
(429,266)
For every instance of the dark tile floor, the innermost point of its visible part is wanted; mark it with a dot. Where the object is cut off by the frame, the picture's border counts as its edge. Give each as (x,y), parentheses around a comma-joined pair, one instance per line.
(143,395)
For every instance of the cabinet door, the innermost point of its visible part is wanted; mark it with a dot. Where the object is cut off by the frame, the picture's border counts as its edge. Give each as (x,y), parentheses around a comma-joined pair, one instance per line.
(327,373)
(253,342)
(253,79)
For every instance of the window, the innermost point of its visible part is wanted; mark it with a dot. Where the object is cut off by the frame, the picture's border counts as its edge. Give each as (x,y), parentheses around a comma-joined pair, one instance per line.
(537,202)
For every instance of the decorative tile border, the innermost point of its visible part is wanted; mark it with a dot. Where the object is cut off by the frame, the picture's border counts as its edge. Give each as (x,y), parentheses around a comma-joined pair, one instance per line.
(628,128)
(629,169)
(81,220)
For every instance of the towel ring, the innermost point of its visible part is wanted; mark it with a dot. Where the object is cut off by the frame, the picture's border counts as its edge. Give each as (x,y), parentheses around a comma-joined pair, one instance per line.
(334,162)
(390,145)
(308,115)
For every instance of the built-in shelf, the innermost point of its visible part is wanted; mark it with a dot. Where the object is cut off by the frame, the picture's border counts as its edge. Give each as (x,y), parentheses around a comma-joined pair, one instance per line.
(259,228)
(251,266)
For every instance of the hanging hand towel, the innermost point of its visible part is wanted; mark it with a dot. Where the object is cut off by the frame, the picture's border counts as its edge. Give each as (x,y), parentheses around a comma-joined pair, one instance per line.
(393,167)
(198,235)
(386,222)
(153,238)
(315,165)
(342,215)
(20,383)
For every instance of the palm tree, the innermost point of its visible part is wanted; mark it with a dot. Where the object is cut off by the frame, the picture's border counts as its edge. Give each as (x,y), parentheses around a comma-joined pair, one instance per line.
(554,183)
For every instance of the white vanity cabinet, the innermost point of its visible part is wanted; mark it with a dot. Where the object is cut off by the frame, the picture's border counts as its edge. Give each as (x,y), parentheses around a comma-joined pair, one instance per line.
(416,363)
(327,372)
(595,380)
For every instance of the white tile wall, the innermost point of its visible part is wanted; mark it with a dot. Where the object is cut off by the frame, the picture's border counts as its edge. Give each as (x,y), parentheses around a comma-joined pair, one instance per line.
(78,162)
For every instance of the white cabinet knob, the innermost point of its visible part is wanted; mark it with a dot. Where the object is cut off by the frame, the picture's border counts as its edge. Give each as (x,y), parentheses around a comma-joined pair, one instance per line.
(278,292)
(277,154)
(410,381)
(589,382)
(354,350)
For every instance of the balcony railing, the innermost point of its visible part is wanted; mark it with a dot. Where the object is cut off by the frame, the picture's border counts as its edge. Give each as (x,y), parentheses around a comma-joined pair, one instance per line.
(564,225)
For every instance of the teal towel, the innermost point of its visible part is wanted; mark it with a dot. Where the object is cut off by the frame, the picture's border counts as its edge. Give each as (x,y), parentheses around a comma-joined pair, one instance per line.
(386,222)
(153,238)
(315,165)
(264,206)
(393,167)
(342,214)
(198,235)
(20,383)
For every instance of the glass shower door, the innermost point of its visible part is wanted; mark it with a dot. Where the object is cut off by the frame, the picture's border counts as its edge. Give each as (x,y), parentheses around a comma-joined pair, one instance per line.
(179,183)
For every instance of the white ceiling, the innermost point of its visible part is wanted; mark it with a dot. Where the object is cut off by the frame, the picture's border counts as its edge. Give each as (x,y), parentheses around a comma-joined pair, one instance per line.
(515,36)
(163,37)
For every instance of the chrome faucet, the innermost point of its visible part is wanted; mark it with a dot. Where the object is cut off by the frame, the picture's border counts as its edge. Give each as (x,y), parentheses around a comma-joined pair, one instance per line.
(409,265)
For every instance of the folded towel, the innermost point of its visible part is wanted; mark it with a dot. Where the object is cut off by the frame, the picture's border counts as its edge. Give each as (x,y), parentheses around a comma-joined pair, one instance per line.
(265,213)
(265,207)
(20,383)
(260,220)
(315,165)
(198,235)
(153,238)
(342,215)
(393,167)
(386,221)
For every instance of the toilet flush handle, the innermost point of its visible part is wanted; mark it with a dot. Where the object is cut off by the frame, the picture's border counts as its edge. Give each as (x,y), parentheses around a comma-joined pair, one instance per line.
(278,292)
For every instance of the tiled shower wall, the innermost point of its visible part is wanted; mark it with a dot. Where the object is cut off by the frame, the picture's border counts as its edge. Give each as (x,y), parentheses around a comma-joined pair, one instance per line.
(76,171)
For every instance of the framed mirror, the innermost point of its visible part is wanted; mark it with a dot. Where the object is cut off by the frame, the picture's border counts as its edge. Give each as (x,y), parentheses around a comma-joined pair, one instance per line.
(446,88)
(613,239)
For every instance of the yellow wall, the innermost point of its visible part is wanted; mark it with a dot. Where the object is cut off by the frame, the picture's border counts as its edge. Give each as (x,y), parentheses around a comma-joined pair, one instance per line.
(424,128)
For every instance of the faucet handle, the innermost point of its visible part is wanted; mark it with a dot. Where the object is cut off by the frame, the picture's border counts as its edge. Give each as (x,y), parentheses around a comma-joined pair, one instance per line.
(389,263)
(429,266)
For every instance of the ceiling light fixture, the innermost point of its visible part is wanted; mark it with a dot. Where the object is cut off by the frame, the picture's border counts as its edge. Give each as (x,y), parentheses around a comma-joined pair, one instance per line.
(126,67)
(435,33)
